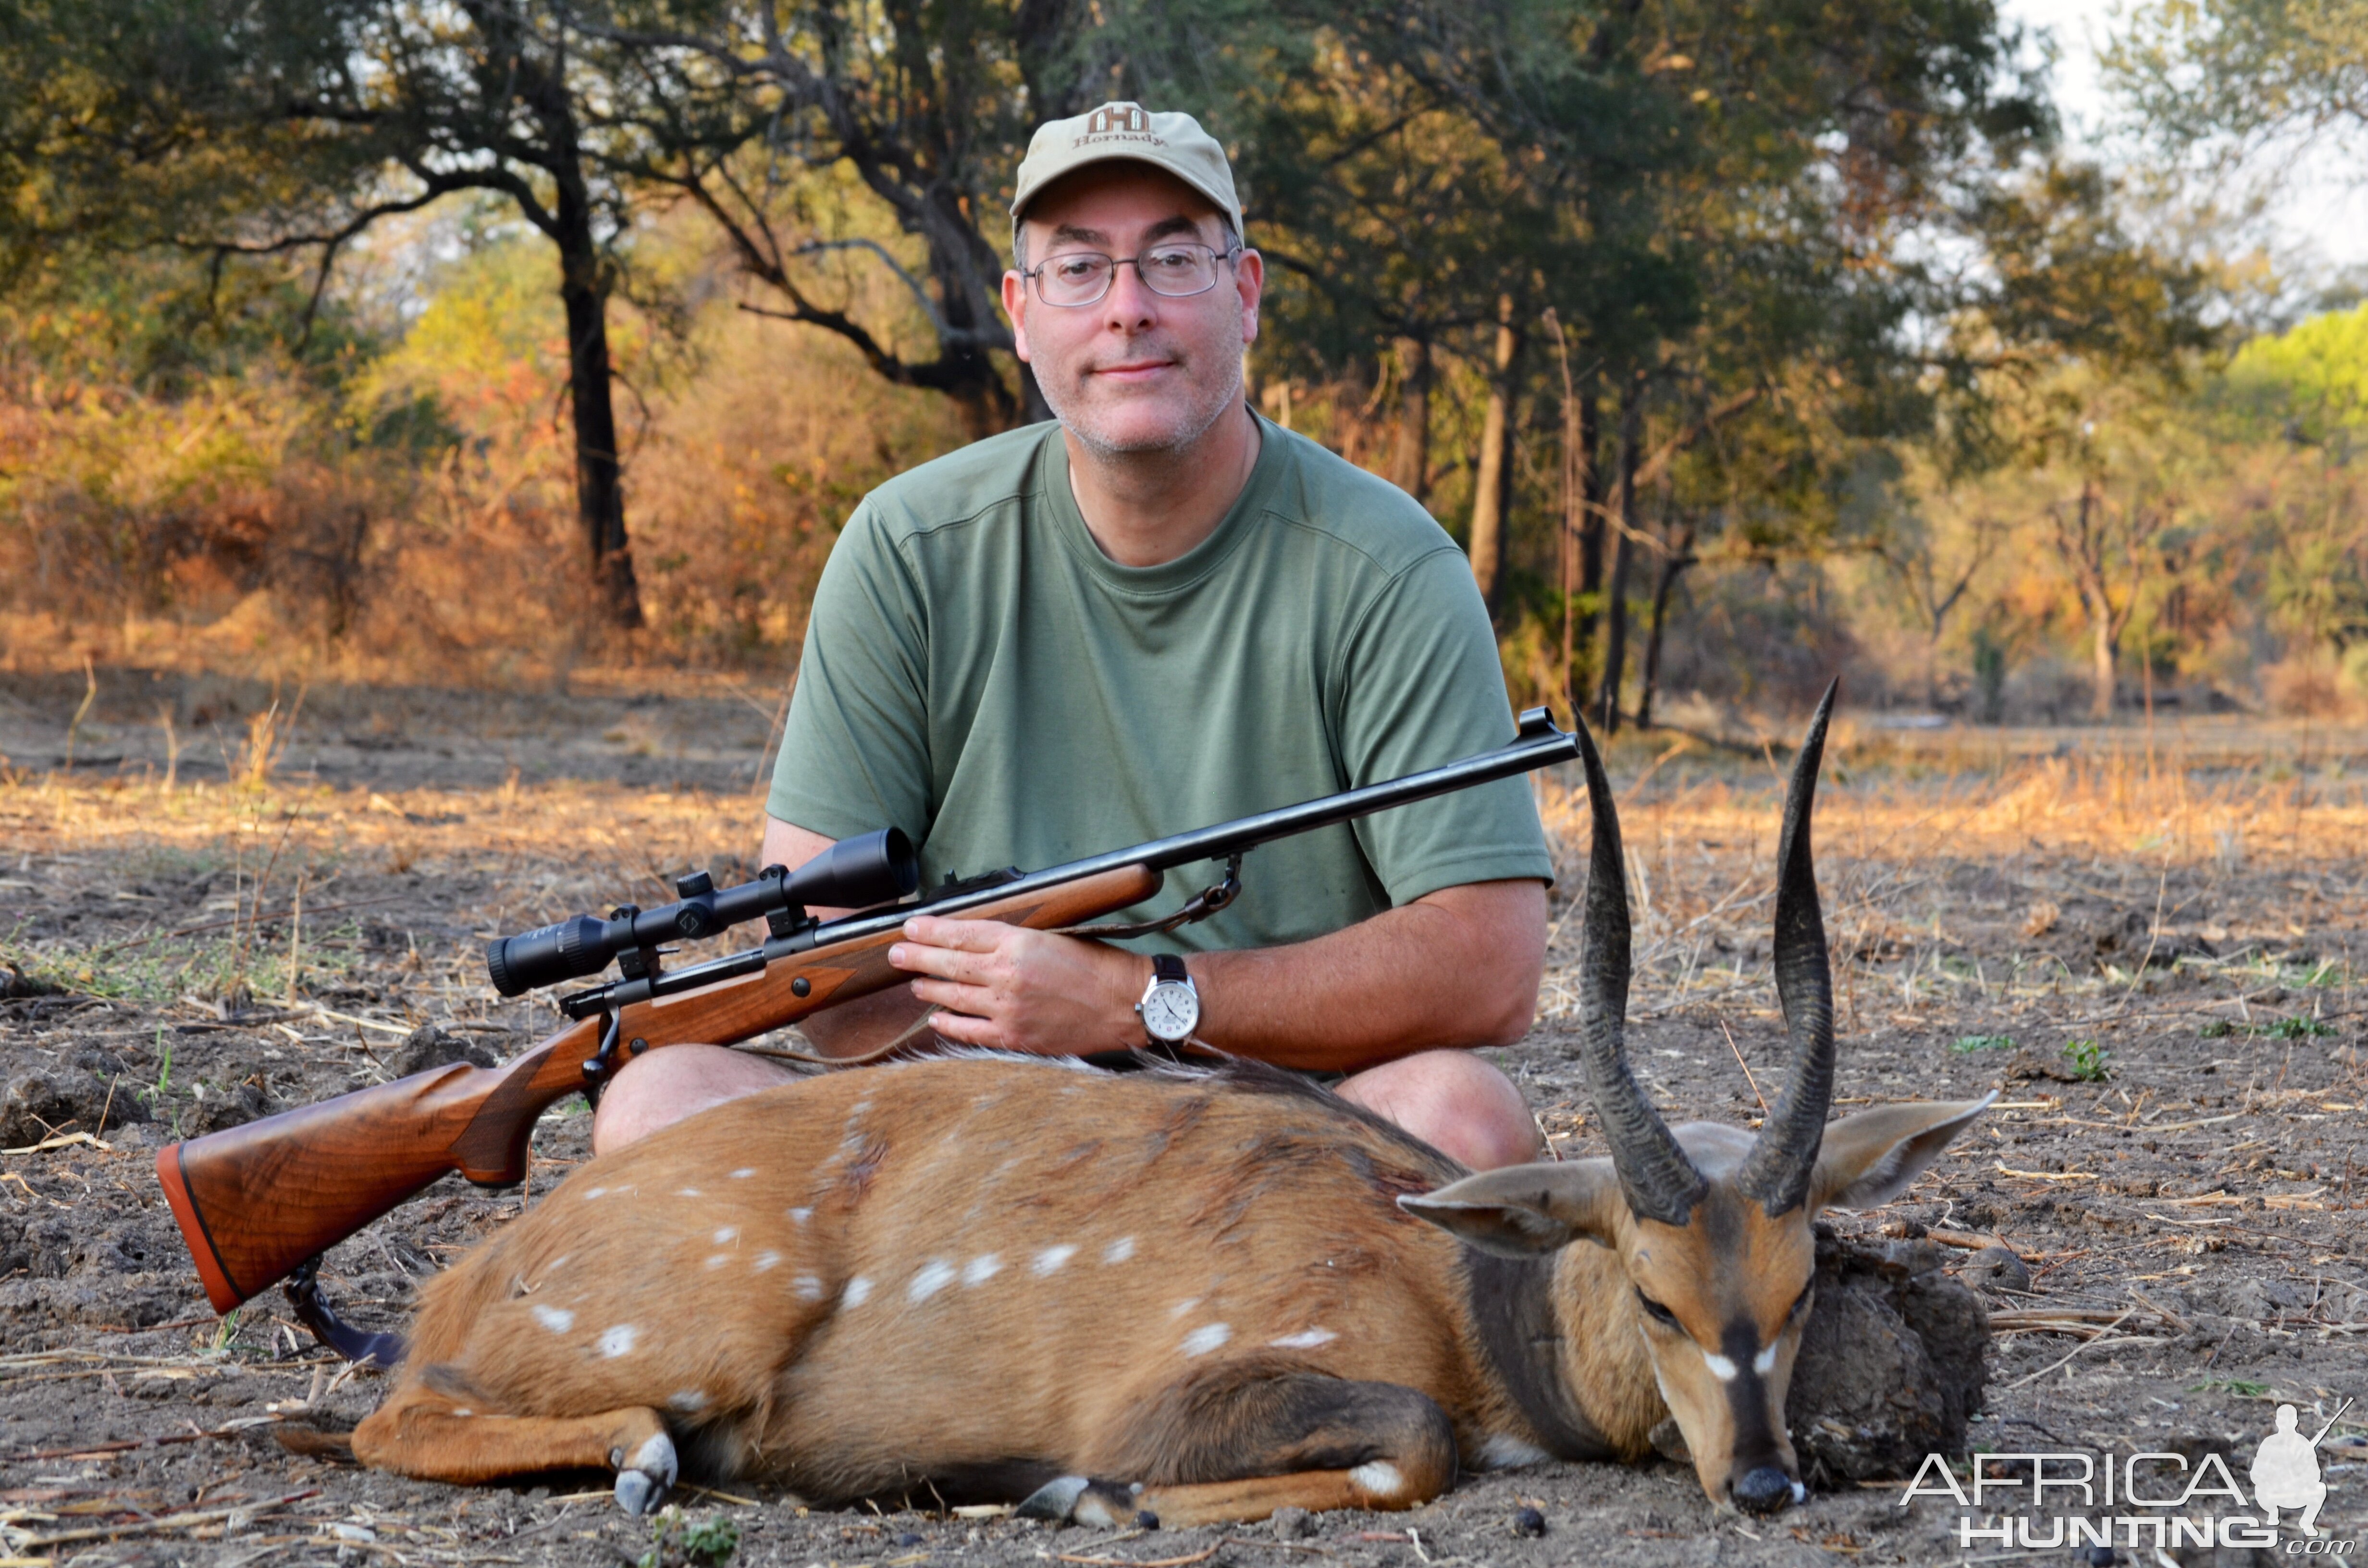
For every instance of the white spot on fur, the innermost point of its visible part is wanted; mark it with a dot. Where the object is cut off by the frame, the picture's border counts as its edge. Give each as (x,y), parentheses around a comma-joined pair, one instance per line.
(1720,1367)
(934,1277)
(1765,1362)
(688,1192)
(1207,1337)
(744,1173)
(727,1236)
(618,1341)
(1501,1452)
(464,1413)
(688,1398)
(1181,1308)
(591,1193)
(982,1268)
(800,1216)
(1120,1250)
(558,1320)
(1051,1258)
(859,1291)
(718,1259)
(1306,1339)
(766,1260)
(555,1261)
(1381,1477)
(809,1289)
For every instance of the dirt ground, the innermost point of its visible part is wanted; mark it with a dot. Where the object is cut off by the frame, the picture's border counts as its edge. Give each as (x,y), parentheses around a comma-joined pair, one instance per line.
(2147,945)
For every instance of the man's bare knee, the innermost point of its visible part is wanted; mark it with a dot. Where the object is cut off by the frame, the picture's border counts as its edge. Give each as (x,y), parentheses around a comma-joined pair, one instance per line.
(1454,1102)
(661,1087)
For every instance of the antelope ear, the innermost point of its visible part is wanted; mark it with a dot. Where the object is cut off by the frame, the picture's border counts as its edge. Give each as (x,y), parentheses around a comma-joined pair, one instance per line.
(1527,1211)
(1871,1158)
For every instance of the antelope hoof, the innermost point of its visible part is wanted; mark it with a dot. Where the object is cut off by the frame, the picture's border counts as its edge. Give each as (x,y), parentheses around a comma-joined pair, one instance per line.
(1080,1500)
(1768,1490)
(643,1484)
(1053,1501)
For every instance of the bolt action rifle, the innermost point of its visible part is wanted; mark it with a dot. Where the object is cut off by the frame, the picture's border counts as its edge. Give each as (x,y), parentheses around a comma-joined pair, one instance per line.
(261,1202)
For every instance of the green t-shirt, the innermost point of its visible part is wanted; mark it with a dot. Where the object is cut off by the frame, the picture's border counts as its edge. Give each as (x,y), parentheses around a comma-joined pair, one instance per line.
(979,673)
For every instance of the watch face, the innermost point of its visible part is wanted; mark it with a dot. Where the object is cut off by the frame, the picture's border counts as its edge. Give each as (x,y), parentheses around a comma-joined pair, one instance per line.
(1171,1012)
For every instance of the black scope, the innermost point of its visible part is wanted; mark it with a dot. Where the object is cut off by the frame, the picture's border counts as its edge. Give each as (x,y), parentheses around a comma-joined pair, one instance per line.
(854,873)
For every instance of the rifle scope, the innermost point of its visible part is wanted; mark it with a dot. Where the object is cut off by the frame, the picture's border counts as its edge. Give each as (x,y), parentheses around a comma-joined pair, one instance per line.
(854,873)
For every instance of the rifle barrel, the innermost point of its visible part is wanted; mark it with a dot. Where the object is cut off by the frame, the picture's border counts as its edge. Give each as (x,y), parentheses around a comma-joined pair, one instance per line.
(1538,744)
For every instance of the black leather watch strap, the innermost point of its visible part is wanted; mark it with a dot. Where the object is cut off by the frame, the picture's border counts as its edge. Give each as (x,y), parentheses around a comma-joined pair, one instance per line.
(1167,966)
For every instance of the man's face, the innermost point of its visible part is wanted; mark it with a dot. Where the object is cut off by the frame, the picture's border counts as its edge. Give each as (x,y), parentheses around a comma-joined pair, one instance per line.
(1135,372)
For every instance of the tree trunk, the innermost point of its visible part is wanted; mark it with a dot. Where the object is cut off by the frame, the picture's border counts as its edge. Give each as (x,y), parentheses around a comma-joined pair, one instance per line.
(1615,605)
(2100,706)
(1410,462)
(600,481)
(1591,488)
(1492,486)
(2098,602)
(1578,484)
(1679,559)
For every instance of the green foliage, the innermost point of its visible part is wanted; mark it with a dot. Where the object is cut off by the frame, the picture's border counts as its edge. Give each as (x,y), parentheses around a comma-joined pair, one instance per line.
(2088,1060)
(678,1542)
(1967,1044)
(2310,381)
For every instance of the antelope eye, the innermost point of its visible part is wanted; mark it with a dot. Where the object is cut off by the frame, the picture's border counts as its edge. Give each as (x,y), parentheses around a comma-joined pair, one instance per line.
(1658,1313)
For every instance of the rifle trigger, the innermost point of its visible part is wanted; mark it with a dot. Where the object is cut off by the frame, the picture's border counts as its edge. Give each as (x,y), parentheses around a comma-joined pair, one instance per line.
(1200,906)
(603,1062)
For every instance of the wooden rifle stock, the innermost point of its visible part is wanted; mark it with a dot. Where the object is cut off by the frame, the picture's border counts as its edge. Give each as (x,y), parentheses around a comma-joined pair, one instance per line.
(256,1201)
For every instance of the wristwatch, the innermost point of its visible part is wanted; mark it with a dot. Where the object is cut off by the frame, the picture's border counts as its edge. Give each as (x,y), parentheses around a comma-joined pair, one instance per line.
(1170,1008)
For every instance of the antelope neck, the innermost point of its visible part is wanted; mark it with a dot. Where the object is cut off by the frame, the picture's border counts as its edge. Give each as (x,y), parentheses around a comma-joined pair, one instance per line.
(1521,1339)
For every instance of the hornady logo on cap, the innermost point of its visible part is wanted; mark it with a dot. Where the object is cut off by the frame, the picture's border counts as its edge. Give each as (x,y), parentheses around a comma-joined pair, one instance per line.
(1117,120)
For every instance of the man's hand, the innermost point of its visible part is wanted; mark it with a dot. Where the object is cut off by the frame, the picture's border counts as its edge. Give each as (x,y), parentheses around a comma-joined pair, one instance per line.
(1455,968)
(1020,990)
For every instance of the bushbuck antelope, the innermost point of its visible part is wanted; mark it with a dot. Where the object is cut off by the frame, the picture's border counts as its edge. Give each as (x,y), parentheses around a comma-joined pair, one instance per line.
(1199,1294)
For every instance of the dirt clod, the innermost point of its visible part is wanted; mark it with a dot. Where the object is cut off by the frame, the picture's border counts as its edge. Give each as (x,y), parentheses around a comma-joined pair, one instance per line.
(1996,1269)
(1891,1362)
(45,1101)
(431,1045)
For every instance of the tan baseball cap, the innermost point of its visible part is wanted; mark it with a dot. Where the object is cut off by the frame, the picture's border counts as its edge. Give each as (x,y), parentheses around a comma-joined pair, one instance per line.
(1174,142)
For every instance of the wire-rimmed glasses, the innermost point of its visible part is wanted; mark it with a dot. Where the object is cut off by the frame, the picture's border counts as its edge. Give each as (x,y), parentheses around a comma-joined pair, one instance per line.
(1175,271)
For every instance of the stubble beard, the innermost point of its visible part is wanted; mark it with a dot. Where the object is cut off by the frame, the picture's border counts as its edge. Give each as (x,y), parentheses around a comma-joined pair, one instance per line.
(1195,421)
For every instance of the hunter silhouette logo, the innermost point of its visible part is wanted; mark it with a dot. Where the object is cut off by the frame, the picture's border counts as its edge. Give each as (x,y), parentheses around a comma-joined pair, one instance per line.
(1119,120)
(2158,1500)
(2285,1470)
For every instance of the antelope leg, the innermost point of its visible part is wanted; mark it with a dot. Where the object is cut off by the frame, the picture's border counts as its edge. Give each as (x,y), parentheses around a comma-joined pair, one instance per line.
(1239,1443)
(435,1438)
(1378,1487)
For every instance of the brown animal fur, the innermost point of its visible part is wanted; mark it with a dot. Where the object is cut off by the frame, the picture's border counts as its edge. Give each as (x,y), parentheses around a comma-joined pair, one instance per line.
(973,1277)
(963,1273)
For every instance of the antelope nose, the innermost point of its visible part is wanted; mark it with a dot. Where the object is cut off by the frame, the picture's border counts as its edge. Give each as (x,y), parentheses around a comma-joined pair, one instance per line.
(1766,1490)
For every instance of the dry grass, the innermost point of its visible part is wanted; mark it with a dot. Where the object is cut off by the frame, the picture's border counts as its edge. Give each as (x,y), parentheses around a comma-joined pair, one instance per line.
(2207,841)
(2248,857)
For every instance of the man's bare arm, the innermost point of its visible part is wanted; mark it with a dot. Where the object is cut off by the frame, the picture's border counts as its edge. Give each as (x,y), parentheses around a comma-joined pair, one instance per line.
(1457,967)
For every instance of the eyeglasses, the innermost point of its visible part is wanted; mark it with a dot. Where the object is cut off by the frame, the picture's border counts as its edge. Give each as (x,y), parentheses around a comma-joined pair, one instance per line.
(1177,271)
